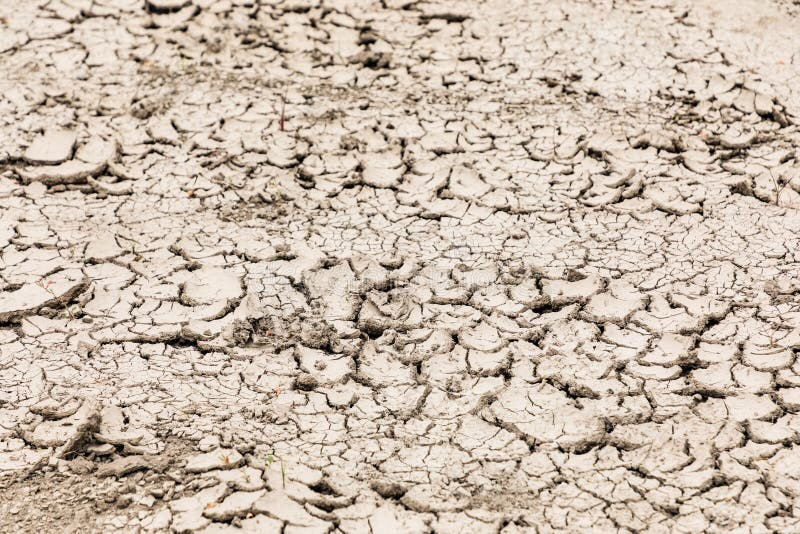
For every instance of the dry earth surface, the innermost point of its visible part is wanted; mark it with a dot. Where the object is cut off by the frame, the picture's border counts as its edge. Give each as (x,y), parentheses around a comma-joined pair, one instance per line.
(389,266)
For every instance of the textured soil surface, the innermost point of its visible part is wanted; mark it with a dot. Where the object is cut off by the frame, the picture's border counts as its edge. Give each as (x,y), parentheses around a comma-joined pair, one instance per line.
(397,266)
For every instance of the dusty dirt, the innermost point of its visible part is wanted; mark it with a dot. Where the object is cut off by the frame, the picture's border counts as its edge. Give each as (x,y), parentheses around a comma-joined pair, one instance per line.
(309,266)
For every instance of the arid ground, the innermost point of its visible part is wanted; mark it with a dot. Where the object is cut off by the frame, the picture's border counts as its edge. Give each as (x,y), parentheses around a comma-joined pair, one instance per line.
(398,266)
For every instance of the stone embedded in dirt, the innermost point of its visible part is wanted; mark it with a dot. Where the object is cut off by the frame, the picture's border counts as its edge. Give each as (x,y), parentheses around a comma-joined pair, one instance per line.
(52,148)
(216,459)
(388,490)
(81,466)
(372,60)
(316,334)
(660,139)
(306,382)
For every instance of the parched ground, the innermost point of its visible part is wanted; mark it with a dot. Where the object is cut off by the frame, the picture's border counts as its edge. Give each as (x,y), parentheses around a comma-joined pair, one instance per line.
(352,266)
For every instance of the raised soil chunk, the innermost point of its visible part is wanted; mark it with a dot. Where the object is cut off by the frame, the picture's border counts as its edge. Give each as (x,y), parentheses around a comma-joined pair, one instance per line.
(54,147)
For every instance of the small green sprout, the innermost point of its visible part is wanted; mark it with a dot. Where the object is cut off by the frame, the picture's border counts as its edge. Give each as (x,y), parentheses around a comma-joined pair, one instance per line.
(270,460)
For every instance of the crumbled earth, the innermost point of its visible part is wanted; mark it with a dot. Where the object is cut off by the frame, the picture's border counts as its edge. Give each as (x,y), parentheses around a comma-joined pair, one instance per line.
(337,266)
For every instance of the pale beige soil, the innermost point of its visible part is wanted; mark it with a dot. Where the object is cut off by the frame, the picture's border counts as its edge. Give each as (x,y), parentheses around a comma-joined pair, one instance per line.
(334,266)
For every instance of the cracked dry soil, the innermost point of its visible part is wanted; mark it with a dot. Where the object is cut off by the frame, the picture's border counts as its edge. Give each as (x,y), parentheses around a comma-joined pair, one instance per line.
(399,266)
